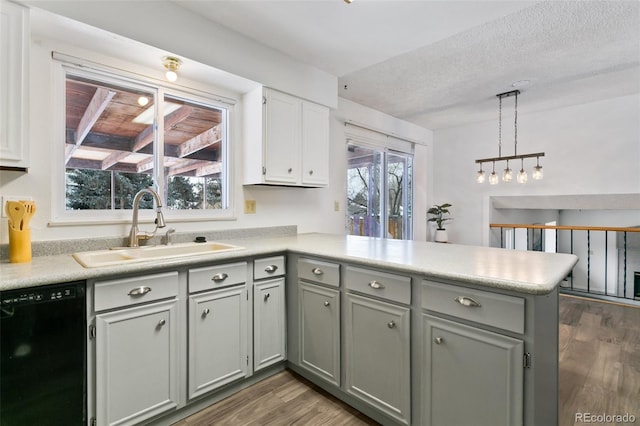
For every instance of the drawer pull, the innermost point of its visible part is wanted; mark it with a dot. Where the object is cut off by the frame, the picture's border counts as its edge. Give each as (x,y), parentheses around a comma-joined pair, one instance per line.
(271,269)
(467,301)
(391,324)
(327,303)
(205,312)
(376,285)
(161,323)
(317,271)
(266,297)
(139,291)
(438,340)
(221,276)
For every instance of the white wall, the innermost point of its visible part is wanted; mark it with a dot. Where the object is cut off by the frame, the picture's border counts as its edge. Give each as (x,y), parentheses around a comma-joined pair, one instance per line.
(590,149)
(165,25)
(312,210)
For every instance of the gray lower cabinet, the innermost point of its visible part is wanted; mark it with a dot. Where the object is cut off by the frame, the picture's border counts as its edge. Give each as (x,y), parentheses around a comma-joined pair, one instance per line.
(377,356)
(319,342)
(137,349)
(470,376)
(136,363)
(269,336)
(217,339)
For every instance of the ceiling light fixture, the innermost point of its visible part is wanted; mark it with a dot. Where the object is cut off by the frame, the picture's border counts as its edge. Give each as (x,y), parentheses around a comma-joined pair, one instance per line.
(508,173)
(171,64)
(348,1)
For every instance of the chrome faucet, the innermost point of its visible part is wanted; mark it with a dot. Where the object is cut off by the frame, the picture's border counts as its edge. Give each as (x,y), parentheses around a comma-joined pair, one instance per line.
(135,234)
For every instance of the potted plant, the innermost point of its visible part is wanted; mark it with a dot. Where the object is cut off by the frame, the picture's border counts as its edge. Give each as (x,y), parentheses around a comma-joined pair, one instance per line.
(439,215)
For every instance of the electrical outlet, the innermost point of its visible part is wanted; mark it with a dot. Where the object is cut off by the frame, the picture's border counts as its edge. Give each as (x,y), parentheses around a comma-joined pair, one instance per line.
(6,198)
(336,206)
(249,206)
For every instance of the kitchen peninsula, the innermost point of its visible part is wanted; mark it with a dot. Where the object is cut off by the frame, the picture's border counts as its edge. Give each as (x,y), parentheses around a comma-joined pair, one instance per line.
(455,320)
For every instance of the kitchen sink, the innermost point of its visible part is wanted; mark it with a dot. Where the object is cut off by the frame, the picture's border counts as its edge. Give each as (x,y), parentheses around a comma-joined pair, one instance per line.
(124,255)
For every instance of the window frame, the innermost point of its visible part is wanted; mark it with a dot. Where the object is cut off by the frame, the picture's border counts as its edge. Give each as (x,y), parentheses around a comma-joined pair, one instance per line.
(63,66)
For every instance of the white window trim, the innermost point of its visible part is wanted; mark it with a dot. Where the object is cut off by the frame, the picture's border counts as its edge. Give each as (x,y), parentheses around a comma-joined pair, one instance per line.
(60,216)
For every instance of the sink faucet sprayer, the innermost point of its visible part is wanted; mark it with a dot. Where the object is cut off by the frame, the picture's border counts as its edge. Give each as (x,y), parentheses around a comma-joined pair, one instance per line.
(135,234)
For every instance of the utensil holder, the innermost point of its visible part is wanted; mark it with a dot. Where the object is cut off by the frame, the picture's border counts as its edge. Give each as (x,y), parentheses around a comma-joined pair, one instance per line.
(19,245)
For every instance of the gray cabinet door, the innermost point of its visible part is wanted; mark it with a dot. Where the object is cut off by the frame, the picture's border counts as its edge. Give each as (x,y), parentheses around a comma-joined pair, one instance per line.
(471,376)
(320,331)
(217,339)
(268,323)
(377,367)
(136,363)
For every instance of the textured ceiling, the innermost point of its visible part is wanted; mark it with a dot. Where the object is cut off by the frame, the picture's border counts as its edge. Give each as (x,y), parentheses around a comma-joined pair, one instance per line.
(440,63)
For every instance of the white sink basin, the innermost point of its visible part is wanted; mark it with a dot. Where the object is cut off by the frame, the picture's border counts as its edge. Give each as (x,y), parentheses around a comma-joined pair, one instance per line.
(94,259)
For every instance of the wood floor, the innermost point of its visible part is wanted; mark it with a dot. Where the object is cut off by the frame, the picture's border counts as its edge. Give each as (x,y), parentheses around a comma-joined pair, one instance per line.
(599,359)
(282,399)
(599,374)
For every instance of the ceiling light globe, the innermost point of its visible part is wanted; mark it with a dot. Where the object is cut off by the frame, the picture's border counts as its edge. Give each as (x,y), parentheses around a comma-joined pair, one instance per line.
(480,176)
(143,101)
(171,76)
(537,173)
(507,176)
(522,176)
(493,178)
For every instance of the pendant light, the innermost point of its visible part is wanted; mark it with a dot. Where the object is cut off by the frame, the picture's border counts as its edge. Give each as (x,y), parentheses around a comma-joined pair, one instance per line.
(522,175)
(507,175)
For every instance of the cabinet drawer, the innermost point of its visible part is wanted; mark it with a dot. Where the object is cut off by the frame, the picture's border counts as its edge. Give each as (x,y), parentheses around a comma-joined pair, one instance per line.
(319,271)
(130,291)
(483,307)
(218,276)
(380,284)
(268,267)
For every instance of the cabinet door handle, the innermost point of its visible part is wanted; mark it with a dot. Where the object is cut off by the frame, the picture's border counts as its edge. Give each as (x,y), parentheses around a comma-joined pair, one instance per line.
(376,285)
(327,303)
(391,324)
(290,170)
(438,340)
(271,269)
(467,301)
(221,276)
(266,297)
(205,312)
(162,323)
(310,172)
(317,271)
(139,291)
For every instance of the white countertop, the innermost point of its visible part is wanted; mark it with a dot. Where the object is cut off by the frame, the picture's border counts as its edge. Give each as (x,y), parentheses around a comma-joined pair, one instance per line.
(520,271)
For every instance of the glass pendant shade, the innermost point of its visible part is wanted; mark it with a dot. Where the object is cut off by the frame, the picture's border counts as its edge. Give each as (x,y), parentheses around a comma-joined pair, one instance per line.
(522,176)
(537,172)
(493,178)
(480,176)
(507,176)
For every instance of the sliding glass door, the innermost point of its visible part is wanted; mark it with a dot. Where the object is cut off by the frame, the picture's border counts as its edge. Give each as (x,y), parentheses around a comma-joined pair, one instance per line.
(379,192)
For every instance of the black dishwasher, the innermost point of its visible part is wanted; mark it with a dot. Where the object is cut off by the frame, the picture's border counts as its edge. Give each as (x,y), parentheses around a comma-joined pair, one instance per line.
(43,356)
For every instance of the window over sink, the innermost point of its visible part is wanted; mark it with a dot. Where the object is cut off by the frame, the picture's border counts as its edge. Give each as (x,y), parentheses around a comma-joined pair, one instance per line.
(124,132)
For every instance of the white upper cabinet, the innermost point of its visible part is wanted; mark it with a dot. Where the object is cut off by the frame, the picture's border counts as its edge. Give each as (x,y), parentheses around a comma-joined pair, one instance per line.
(286,140)
(14,73)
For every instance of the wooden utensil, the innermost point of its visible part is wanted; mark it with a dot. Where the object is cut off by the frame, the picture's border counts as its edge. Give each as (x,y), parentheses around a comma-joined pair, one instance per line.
(15,211)
(30,210)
